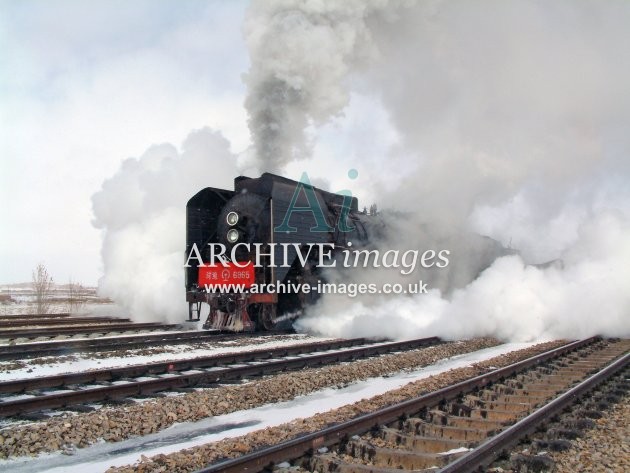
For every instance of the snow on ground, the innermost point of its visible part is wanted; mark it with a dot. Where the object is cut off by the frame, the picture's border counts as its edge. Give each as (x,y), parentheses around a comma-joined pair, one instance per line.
(22,303)
(101,456)
(87,361)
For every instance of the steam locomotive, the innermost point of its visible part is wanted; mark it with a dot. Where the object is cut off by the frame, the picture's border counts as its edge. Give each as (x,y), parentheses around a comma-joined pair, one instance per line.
(267,232)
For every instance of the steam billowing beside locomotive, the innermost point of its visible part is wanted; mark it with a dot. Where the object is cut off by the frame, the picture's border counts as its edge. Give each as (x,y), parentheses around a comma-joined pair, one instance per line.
(269,231)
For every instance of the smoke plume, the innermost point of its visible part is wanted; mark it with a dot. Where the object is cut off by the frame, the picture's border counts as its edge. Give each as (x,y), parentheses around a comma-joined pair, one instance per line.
(301,54)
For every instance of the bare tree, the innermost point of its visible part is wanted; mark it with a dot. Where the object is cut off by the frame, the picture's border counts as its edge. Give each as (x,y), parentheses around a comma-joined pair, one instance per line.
(42,285)
(76,297)
(5,300)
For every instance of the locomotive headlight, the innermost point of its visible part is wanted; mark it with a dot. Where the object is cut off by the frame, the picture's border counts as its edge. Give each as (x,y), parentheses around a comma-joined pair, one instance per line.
(232,235)
(232,219)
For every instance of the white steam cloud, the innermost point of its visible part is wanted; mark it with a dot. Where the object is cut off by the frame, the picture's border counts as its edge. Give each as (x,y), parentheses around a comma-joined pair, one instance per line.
(513,120)
(142,211)
(510,300)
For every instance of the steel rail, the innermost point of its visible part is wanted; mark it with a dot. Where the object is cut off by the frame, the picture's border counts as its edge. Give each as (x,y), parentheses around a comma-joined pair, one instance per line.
(64,347)
(52,332)
(488,451)
(212,376)
(59,321)
(294,448)
(10,316)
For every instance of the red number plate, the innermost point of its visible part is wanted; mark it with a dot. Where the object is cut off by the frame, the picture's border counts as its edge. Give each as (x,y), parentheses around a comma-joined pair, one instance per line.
(216,274)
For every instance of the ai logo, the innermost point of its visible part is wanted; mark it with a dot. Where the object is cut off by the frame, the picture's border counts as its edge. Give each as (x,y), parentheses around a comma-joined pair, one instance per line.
(304,185)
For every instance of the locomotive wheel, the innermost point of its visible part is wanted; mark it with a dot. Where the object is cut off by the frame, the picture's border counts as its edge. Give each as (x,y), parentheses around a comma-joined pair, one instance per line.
(264,315)
(268,316)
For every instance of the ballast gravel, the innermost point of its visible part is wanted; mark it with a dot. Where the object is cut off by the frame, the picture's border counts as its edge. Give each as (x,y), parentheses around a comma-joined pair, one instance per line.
(604,449)
(195,458)
(115,424)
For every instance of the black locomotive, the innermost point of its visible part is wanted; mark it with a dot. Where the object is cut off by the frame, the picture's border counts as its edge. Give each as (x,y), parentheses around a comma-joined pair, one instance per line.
(267,232)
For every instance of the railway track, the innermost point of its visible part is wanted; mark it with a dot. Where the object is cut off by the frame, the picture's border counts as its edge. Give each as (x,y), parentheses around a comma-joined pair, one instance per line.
(13,334)
(455,429)
(486,453)
(34,316)
(66,347)
(550,444)
(99,385)
(58,321)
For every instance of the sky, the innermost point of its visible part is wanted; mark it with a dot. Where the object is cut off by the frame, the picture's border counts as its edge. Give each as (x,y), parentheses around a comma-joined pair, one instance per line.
(85,85)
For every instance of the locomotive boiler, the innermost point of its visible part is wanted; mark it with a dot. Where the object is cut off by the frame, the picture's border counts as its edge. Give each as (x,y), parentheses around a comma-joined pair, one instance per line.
(243,245)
